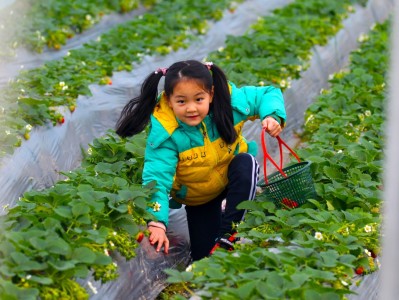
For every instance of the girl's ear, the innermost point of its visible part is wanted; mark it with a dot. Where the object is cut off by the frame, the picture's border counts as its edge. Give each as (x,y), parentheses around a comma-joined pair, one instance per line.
(169,103)
(167,99)
(211,94)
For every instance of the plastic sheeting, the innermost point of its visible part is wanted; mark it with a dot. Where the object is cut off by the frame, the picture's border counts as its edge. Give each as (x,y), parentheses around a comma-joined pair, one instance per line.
(36,164)
(143,276)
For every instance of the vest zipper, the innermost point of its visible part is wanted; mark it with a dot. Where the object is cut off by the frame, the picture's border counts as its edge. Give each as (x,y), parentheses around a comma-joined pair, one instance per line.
(207,140)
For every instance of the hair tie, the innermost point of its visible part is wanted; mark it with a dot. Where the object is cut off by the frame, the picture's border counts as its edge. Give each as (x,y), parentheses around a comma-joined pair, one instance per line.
(208,64)
(161,70)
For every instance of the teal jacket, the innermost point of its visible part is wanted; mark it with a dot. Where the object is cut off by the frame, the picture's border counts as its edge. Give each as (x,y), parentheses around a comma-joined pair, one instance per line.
(189,163)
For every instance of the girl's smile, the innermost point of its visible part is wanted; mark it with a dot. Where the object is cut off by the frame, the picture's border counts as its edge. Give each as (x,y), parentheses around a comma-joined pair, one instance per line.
(190,102)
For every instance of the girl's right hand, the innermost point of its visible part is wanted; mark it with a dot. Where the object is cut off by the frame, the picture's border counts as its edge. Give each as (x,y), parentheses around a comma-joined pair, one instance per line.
(158,237)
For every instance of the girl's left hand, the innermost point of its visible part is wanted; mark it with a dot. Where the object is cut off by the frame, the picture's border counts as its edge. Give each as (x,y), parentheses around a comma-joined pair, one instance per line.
(271,126)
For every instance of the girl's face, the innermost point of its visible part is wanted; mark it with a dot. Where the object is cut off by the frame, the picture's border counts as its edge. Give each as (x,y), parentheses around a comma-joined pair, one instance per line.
(190,102)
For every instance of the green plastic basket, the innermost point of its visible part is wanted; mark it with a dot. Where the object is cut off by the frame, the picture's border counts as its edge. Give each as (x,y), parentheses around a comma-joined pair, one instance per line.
(288,187)
(291,191)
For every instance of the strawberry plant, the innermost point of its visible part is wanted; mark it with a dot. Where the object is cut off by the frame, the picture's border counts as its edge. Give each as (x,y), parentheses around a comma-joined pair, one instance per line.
(51,23)
(278,47)
(55,236)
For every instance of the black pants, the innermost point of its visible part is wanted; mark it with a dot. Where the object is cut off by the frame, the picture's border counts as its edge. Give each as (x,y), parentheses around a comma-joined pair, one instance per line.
(206,222)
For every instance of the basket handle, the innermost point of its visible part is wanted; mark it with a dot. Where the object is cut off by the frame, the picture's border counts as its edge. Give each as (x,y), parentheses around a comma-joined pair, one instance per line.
(266,155)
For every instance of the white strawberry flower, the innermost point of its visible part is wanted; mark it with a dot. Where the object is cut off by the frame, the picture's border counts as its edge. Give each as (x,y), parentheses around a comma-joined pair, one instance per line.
(318,236)
(157,206)
(368,228)
(363,37)
(92,287)
(189,268)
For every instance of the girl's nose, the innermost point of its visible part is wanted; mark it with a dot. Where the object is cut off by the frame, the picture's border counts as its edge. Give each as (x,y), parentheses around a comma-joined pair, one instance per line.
(190,108)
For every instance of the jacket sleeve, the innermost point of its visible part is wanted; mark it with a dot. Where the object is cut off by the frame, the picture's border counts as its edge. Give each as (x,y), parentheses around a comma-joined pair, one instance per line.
(259,101)
(160,165)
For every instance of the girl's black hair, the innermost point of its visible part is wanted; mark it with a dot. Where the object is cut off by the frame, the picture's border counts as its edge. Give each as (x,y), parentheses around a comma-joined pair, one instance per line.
(136,114)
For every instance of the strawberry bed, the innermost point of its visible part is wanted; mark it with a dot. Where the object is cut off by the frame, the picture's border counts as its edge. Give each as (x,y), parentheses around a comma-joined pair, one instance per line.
(36,25)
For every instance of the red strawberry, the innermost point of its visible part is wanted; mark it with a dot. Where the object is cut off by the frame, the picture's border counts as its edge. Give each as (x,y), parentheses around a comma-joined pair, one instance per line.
(61,120)
(359,270)
(289,203)
(373,255)
(139,237)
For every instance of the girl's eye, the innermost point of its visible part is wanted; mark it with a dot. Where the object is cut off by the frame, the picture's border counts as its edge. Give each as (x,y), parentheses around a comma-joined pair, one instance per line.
(180,101)
(200,99)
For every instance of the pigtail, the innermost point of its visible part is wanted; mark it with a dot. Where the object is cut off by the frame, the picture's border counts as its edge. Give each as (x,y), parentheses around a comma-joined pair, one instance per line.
(221,106)
(137,112)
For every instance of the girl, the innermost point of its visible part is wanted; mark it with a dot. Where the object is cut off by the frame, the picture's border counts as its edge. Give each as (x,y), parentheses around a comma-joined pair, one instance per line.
(195,150)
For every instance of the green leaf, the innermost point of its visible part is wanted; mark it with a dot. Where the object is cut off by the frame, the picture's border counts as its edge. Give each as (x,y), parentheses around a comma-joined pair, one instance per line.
(176,277)
(347,259)
(57,245)
(81,271)
(51,223)
(83,255)
(38,243)
(330,207)
(64,211)
(250,205)
(41,280)
(62,265)
(80,209)
(319,274)
(102,259)
(245,290)
(13,292)
(333,173)
(215,274)
(330,258)
(85,219)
